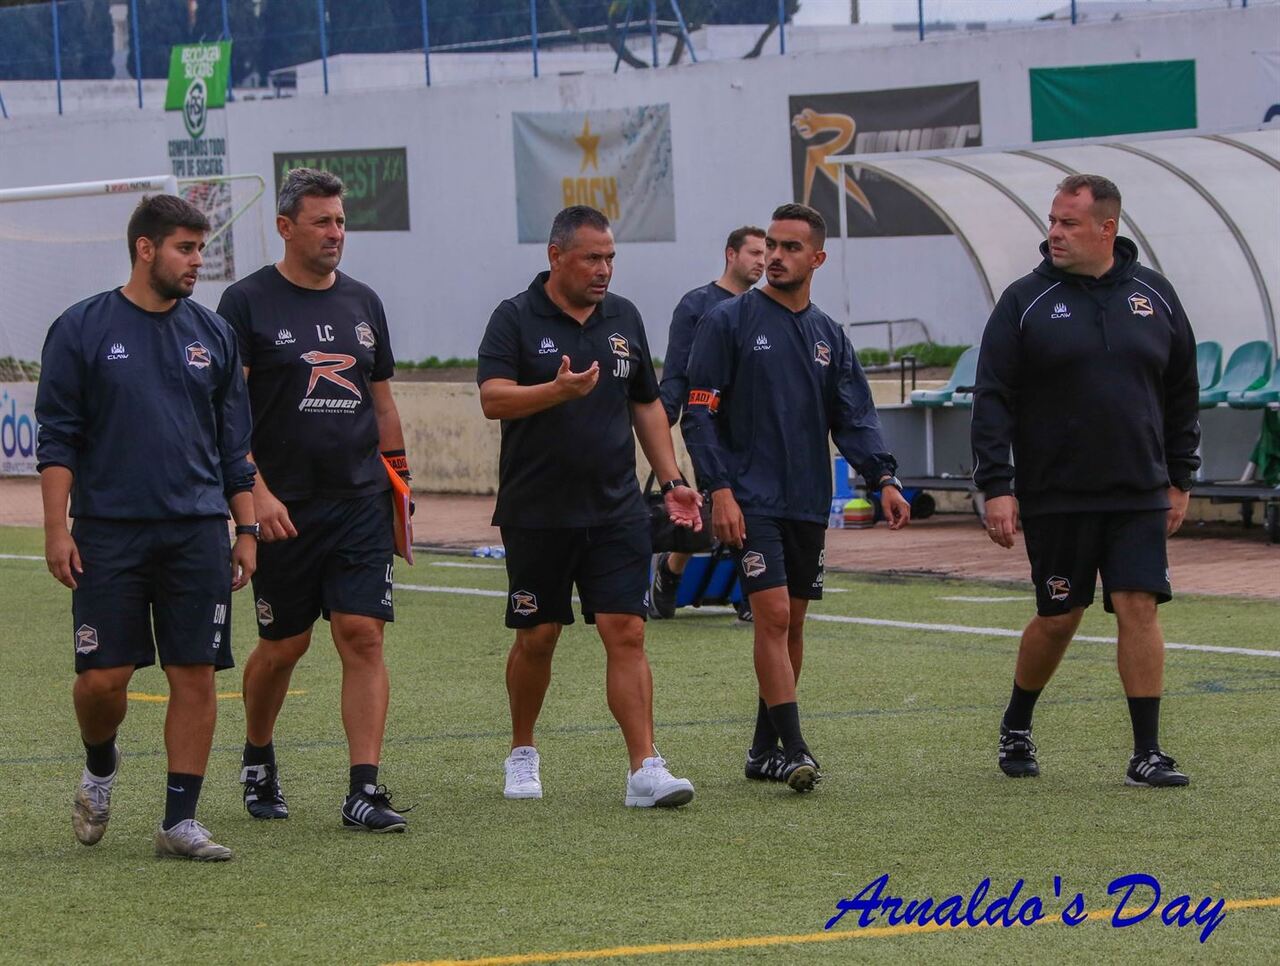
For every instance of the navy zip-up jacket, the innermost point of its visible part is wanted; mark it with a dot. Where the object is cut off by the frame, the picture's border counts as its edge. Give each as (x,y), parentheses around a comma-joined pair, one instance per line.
(1090,387)
(684,321)
(148,410)
(768,388)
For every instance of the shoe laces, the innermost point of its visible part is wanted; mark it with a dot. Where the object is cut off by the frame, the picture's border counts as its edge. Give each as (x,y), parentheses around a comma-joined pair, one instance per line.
(99,794)
(381,798)
(1157,758)
(191,832)
(655,766)
(1017,741)
(524,768)
(266,788)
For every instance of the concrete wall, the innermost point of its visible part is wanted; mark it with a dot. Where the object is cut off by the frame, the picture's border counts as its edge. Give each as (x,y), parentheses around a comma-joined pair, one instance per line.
(732,165)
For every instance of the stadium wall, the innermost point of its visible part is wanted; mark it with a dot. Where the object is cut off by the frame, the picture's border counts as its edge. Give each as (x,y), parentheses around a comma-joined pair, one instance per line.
(730,129)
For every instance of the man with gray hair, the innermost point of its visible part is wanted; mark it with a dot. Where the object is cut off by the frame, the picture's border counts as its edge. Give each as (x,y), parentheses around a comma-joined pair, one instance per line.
(1085,427)
(565,365)
(318,360)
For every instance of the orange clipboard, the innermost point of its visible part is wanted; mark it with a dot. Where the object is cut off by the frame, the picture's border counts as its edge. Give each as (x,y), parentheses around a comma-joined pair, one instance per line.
(401,498)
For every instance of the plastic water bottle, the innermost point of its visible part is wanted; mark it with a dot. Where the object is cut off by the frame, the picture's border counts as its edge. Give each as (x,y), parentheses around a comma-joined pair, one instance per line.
(498,552)
(480,552)
(835,521)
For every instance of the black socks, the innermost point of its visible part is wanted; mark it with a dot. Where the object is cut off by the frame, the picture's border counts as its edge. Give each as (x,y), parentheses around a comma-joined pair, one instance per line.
(363,778)
(101,759)
(786,721)
(1145,715)
(1017,717)
(766,736)
(260,755)
(182,793)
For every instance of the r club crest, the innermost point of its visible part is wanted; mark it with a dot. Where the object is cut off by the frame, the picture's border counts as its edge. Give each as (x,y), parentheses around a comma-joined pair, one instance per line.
(364,335)
(265,616)
(618,344)
(524,603)
(198,356)
(86,639)
(1140,305)
(1059,588)
(822,353)
(753,563)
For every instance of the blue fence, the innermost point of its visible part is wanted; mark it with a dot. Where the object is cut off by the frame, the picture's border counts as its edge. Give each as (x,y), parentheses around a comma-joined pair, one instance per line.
(56,40)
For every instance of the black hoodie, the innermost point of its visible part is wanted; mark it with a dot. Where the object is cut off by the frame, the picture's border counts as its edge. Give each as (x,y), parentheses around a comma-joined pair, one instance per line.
(1090,386)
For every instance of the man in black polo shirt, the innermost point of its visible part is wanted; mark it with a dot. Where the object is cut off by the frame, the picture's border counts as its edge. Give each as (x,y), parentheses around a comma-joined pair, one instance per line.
(565,365)
(144,423)
(772,379)
(1087,380)
(315,345)
(743,265)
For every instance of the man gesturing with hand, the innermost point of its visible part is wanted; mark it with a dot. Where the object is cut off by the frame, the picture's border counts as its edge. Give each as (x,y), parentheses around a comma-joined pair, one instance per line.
(565,365)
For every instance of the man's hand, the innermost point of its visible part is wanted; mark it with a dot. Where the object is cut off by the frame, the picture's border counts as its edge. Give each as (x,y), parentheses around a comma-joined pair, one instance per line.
(62,556)
(1178,503)
(1002,520)
(575,385)
(727,522)
(272,516)
(895,507)
(244,560)
(684,507)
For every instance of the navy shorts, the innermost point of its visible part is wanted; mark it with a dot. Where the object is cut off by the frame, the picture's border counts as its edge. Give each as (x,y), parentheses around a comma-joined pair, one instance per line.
(1068,550)
(779,552)
(609,565)
(170,575)
(341,560)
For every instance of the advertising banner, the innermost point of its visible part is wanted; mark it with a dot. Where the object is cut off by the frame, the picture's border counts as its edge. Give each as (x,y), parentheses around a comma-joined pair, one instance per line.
(876,122)
(618,161)
(377,182)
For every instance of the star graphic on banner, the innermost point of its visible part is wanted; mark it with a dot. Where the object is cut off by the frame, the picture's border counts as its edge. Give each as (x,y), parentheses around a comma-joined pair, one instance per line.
(590,144)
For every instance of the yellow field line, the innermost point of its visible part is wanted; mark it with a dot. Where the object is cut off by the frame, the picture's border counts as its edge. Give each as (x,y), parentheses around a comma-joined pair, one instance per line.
(164,698)
(752,942)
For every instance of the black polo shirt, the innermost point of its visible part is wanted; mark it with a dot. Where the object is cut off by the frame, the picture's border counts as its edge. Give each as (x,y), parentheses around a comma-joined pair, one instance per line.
(573,465)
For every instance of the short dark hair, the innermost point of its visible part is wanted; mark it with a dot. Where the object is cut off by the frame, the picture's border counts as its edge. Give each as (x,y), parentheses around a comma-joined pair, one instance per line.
(1106,196)
(570,219)
(302,183)
(796,212)
(738,237)
(159,216)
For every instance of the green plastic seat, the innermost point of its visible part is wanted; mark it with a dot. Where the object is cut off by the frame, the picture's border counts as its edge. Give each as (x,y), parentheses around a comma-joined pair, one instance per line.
(1257,398)
(1248,368)
(1208,364)
(964,374)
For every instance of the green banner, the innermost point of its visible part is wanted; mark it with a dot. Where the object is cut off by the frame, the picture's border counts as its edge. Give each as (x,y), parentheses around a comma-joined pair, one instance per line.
(197,82)
(1085,102)
(376,179)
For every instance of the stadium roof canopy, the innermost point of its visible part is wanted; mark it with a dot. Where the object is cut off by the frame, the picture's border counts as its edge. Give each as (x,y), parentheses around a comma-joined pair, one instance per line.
(1203,209)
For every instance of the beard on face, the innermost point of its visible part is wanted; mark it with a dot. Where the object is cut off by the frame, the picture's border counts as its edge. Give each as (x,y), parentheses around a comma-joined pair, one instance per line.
(170,286)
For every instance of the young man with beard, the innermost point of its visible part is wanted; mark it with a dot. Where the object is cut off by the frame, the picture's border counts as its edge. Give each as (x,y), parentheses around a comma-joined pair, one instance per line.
(744,258)
(772,380)
(318,358)
(144,423)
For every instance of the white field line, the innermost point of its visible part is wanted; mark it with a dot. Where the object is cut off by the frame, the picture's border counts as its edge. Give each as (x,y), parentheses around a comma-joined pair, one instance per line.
(467,566)
(987,600)
(901,625)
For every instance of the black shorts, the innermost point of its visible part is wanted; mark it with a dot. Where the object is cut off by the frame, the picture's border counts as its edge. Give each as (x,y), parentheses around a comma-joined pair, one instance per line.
(779,552)
(609,564)
(173,574)
(341,560)
(1068,550)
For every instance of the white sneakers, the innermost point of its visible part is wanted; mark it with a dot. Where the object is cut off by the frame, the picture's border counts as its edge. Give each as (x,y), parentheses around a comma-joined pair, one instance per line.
(649,785)
(652,784)
(189,840)
(91,808)
(521,767)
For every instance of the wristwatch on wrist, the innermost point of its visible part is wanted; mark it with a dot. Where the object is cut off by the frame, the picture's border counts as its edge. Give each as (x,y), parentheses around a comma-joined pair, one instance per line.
(890,481)
(670,485)
(247,530)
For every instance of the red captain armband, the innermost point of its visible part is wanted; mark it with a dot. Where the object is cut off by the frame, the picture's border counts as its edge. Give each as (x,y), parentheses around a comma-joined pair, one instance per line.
(704,397)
